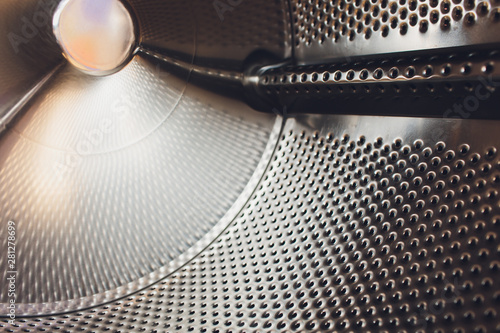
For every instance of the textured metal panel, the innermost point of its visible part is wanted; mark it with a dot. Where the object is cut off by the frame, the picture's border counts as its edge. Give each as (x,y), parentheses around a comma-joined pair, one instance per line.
(458,84)
(220,34)
(145,203)
(168,25)
(28,49)
(325,30)
(227,37)
(110,181)
(359,224)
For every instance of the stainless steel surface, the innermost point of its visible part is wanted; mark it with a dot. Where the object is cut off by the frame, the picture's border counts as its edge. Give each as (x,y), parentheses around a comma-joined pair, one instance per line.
(220,34)
(328,30)
(118,188)
(141,156)
(28,51)
(462,84)
(156,199)
(359,223)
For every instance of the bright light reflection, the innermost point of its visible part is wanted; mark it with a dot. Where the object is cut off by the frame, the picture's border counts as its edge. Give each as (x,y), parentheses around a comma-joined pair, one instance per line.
(97,36)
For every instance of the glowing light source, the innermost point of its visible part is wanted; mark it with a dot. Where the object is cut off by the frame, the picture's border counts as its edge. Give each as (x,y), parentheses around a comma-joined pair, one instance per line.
(97,36)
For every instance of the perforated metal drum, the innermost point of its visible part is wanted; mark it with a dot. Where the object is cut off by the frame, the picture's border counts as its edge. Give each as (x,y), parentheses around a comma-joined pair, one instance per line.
(264,166)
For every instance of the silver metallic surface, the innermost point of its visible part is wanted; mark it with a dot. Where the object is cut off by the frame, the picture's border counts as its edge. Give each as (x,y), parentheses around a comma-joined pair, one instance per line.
(359,223)
(218,34)
(461,84)
(10,113)
(84,171)
(28,51)
(341,29)
(156,199)
(414,70)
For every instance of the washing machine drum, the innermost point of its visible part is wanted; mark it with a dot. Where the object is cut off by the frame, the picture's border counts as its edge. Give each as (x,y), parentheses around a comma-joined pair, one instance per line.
(249,166)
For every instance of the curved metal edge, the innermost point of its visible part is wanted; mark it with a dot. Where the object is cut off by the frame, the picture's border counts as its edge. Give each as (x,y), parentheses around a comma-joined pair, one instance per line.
(29,310)
(8,118)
